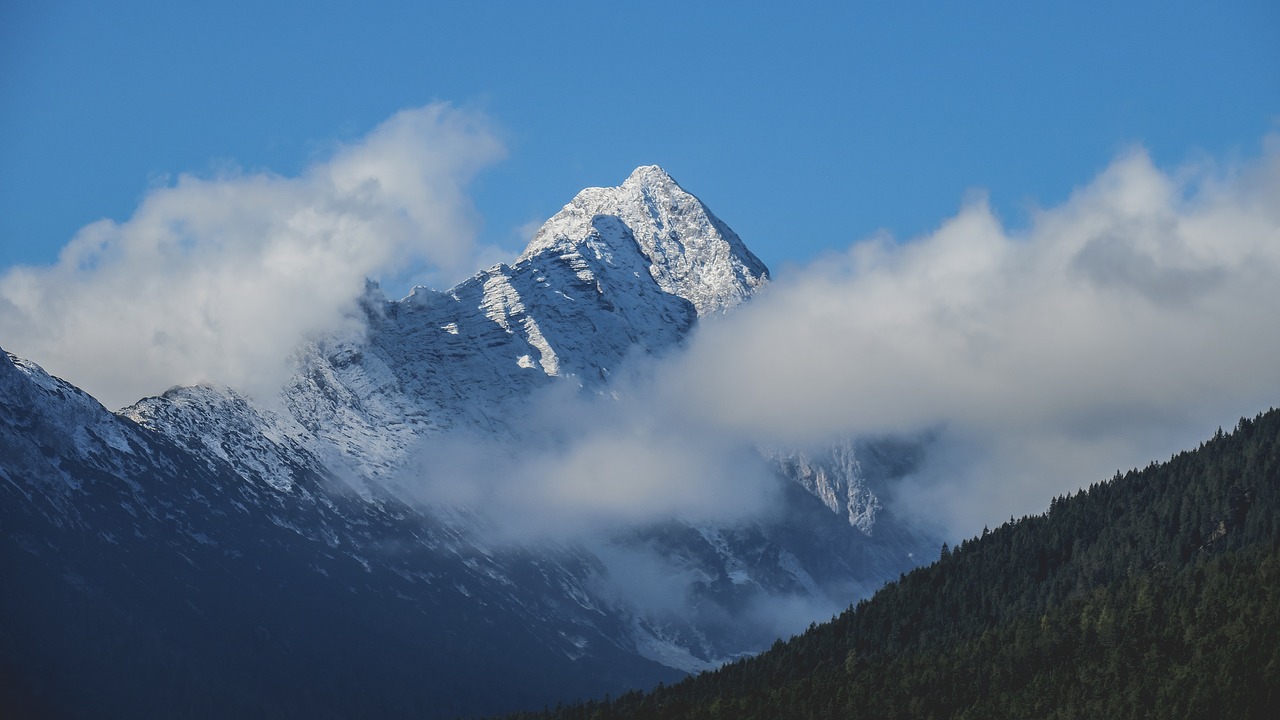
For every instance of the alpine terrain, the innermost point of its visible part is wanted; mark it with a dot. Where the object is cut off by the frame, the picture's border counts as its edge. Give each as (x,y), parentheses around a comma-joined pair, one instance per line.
(203,553)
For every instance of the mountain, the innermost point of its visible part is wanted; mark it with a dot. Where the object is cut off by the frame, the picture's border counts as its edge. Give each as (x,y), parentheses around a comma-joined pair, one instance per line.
(157,582)
(1156,594)
(203,553)
(617,272)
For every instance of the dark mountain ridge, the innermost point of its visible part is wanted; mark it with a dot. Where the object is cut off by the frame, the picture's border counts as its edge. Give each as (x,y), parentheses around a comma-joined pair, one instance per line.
(148,582)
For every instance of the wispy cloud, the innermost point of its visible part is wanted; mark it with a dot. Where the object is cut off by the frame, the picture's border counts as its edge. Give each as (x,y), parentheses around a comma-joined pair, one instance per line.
(219,279)
(579,465)
(627,479)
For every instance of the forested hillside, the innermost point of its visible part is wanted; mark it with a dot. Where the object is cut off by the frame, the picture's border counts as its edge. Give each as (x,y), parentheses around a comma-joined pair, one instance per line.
(1155,594)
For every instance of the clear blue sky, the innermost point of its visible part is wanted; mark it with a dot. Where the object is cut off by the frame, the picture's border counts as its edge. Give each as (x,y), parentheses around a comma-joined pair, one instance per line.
(804,125)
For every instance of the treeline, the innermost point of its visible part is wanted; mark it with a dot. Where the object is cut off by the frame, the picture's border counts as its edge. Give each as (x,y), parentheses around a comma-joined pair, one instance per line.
(1156,594)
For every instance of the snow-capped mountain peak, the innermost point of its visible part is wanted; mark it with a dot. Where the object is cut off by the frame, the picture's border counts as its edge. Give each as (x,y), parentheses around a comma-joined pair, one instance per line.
(689,252)
(619,271)
(324,491)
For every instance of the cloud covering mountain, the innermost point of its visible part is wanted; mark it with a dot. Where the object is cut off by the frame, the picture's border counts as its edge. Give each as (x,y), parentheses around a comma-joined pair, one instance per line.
(1118,326)
(219,279)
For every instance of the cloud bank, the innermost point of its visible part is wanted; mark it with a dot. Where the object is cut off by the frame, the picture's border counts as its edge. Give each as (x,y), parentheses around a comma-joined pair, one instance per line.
(581,465)
(219,279)
(1119,327)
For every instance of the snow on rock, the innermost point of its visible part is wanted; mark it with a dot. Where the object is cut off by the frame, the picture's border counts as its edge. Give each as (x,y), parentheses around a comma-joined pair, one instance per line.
(82,428)
(835,477)
(690,253)
(226,425)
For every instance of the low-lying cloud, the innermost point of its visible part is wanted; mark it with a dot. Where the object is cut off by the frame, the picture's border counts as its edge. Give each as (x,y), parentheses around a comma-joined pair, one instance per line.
(583,465)
(625,480)
(219,279)
(1119,327)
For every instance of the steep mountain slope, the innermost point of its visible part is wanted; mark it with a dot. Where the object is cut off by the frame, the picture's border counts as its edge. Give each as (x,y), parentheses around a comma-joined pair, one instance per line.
(204,540)
(150,581)
(1156,594)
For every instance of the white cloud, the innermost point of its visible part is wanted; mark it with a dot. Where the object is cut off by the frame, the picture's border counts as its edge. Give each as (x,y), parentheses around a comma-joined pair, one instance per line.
(525,232)
(1119,327)
(218,279)
(583,465)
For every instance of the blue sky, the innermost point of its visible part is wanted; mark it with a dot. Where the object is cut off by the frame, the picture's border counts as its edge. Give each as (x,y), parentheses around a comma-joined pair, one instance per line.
(805,127)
